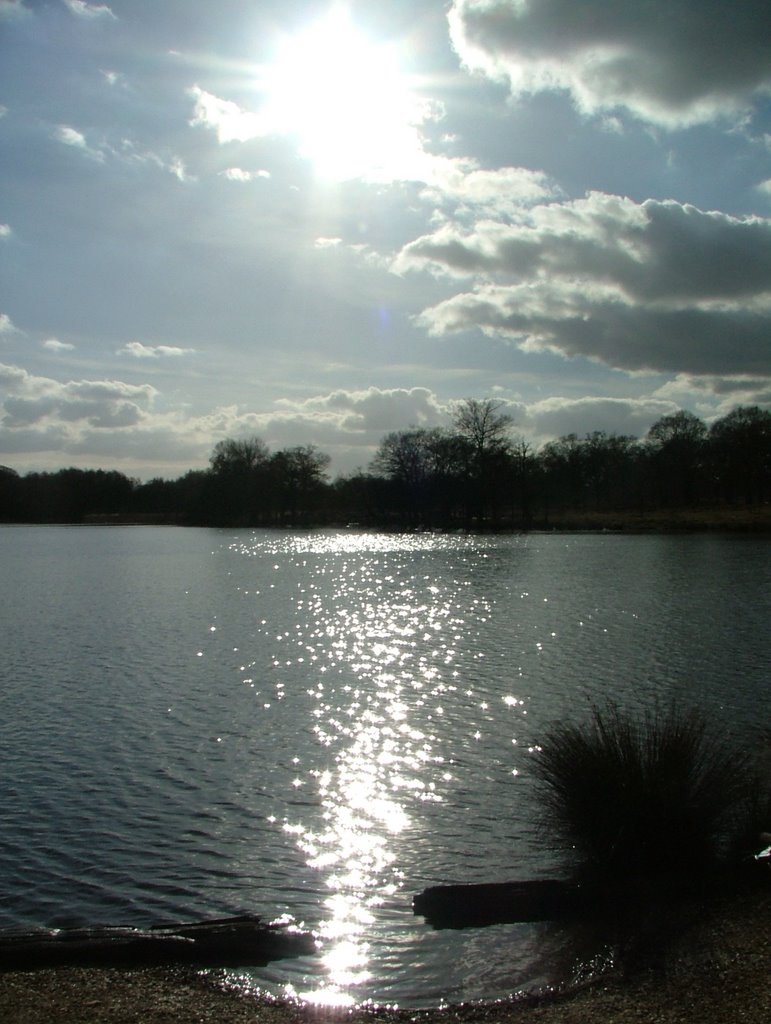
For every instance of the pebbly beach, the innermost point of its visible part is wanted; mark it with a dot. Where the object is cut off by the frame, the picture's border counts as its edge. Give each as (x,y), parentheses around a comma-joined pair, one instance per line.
(717,971)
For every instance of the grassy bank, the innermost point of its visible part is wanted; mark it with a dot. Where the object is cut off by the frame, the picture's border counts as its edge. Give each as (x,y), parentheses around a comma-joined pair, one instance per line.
(736,519)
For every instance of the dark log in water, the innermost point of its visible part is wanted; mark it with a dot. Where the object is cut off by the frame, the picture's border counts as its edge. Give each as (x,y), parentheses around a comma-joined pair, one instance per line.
(227,942)
(473,906)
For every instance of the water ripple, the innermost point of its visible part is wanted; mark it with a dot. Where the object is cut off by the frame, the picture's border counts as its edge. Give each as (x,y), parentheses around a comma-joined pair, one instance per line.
(321,724)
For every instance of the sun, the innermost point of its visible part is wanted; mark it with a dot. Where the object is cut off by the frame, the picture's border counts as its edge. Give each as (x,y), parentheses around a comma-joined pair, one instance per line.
(346,100)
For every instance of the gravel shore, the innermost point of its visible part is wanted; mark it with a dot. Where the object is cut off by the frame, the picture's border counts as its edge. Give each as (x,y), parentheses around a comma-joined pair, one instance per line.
(718,972)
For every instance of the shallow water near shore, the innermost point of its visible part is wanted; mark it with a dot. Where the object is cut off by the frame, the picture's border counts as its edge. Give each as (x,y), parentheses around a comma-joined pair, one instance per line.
(320,724)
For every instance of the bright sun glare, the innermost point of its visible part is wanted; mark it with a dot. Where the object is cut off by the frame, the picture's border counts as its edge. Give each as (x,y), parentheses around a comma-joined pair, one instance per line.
(346,100)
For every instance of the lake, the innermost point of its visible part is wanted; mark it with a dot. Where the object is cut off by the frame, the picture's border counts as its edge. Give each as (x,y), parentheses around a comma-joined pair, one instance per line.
(319,724)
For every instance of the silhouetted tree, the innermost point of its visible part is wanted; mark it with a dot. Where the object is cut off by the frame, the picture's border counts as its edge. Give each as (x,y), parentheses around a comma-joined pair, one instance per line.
(177,501)
(408,459)
(482,424)
(486,432)
(524,481)
(451,458)
(69,495)
(740,449)
(475,473)
(238,456)
(297,476)
(10,495)
(358,499)
(608,466)
(677,447)
(562,462)
(236,491)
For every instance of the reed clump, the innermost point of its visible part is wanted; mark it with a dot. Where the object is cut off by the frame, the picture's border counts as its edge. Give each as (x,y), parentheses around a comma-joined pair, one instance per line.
(645,795)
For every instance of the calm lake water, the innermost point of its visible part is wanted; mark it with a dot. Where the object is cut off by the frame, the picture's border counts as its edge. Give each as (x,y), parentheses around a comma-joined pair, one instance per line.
(202,722)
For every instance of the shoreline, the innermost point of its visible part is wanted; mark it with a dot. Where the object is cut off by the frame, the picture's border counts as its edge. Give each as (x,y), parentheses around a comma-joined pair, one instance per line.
(715,972)
(753,522)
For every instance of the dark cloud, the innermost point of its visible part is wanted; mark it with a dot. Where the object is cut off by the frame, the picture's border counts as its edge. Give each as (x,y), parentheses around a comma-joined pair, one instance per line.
(624,337)
(653,250)
(671,62)
(656,286)
(23,412)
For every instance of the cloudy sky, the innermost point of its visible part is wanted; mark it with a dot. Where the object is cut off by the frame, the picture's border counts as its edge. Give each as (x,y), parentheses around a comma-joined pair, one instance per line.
(319,222)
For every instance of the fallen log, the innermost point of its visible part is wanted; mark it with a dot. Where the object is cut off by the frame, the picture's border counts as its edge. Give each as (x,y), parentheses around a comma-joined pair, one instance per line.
(549,899)
(473,906)
(224,942)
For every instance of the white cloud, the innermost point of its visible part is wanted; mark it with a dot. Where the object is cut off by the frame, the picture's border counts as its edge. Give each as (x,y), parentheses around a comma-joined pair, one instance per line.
(13,9)
(717,395)
(140,351)
(669,62)
(90,11)
(371,410)
(6,324)
(70,136)
(111,422)
(239,174)
(118,424)
(178,169)
(54,345)
(227,119)
(44,403)
(124,150)
(236,174)
(171,164)
(651,286)
(503,190)
(347,424)
(558,416)
(5,230)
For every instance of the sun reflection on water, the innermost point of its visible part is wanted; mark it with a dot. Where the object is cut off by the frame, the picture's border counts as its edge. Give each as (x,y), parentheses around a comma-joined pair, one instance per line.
(381,658)
(381,643)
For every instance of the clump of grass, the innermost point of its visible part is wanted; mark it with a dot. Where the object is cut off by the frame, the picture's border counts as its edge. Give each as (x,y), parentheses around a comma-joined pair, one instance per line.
(658,793)
(754,824)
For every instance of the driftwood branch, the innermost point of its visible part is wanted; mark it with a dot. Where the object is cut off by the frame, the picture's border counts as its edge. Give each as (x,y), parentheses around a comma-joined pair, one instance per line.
(234,941)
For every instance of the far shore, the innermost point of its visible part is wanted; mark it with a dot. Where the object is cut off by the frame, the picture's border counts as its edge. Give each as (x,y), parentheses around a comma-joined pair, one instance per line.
(750,519)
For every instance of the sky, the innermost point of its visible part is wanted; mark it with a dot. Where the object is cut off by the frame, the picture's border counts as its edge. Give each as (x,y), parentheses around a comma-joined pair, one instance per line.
(319,222)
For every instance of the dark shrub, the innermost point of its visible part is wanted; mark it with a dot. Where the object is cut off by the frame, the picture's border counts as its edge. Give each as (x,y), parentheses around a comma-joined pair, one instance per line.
(645,795)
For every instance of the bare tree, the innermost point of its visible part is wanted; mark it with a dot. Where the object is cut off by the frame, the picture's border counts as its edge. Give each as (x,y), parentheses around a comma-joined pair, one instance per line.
(485,431)
(414,462)
(238,455)
(483,425)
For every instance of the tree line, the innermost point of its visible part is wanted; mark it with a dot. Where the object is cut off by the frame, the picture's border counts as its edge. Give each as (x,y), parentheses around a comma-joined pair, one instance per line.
(474,474)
